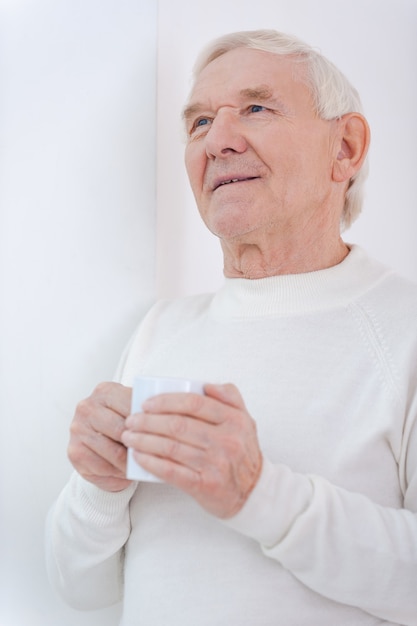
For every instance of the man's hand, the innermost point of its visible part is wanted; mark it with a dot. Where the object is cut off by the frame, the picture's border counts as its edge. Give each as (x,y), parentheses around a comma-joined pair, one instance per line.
(205,445)
(95,448)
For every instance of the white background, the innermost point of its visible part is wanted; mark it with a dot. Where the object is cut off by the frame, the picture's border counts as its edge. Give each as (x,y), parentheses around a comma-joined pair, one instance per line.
(77,244)
(95,222)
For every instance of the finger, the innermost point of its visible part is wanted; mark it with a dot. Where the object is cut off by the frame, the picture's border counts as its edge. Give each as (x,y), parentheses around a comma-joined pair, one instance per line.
(85,436)
(168,471)
(169,449)
(114,453)
(194,405)
(182,428)
(96,413)
(114,396)
(110,424)
(89,462)
(227,393)
(102,474)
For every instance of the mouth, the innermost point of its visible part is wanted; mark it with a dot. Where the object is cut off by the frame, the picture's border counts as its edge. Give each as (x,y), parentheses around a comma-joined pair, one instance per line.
(230,181)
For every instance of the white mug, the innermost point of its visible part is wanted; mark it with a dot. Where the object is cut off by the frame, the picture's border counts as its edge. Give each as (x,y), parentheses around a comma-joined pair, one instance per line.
(145,387)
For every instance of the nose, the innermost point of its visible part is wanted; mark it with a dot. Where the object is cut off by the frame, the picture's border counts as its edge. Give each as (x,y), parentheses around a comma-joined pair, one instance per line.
(225,136)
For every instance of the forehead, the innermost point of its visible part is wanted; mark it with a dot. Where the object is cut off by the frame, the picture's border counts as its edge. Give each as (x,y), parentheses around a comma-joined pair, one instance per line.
(241,70)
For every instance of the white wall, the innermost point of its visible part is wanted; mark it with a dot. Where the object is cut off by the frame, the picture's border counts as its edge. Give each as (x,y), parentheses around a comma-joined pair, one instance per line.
(374,42)
(77,212)
(77,217)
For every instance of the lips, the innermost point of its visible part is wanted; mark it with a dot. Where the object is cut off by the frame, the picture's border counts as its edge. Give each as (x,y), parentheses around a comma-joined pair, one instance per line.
(220,182)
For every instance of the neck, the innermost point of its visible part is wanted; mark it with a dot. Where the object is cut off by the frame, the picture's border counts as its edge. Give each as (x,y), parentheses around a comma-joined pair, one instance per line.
(260,260)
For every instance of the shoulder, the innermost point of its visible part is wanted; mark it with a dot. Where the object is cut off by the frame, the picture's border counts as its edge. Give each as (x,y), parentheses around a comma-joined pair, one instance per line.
(165,320)
(389,317)
(380,287)
(394,299)
(186,307)
(172,311)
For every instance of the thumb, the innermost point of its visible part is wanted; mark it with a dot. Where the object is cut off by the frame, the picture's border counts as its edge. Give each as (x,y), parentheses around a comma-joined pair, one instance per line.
(227,393)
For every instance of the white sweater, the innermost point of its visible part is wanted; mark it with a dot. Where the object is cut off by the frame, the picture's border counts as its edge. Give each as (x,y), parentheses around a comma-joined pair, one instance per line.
(327,365)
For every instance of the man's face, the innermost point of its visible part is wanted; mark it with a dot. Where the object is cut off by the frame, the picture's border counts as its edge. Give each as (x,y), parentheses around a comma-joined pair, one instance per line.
(258,158)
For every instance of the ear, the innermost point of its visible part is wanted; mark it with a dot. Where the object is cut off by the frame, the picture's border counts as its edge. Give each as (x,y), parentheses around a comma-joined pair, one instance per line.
(351,147)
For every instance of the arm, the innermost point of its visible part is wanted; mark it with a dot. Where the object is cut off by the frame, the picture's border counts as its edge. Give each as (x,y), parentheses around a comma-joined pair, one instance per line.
(340,544)
(85,534)
(89,524)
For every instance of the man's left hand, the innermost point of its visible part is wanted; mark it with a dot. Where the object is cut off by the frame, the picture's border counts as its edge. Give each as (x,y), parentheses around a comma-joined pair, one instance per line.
(205,445)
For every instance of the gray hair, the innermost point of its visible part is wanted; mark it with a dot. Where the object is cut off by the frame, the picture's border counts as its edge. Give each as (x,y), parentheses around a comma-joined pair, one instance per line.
(333,95)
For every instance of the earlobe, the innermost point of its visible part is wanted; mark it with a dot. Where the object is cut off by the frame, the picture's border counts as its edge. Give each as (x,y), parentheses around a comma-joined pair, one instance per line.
(352,146)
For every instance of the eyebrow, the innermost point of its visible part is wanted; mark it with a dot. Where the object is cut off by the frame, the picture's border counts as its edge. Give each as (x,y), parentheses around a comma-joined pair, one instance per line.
(262,94)
(191,110)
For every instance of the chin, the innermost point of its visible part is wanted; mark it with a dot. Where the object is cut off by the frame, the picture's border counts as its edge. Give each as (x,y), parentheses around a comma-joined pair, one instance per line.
(231,232)
(227,223)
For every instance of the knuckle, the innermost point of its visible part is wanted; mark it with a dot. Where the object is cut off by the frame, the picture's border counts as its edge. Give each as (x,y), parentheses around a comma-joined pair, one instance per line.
(84,410)
(194,484)
(222,465)
(171,473)
(195,403)
(74,453)
(177,425)
(241,422)
(232,447)
(210,481)
(119,456)
(198,460)
(117,430)
(75,428)
(172,448)
(103,389)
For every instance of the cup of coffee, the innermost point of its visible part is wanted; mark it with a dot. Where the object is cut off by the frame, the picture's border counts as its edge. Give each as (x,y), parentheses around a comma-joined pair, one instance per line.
(145,387)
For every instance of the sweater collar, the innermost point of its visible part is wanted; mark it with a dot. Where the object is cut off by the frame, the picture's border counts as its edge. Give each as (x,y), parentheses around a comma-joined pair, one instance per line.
(299,293)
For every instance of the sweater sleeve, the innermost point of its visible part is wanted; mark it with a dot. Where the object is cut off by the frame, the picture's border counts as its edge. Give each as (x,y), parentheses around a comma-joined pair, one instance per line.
(86,531)
(338,543)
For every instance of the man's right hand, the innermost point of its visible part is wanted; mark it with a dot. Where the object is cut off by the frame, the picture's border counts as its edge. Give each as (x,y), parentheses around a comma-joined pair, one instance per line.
(95,449)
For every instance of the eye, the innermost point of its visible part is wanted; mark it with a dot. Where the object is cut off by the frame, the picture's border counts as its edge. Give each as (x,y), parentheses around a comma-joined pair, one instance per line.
(199,124)
(255,108)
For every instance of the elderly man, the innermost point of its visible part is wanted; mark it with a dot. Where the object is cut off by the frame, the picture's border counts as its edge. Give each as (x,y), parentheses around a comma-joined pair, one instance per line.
(290,496)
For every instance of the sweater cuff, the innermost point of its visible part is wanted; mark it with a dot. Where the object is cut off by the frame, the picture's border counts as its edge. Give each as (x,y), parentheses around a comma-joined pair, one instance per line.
(277,500)
(99,506)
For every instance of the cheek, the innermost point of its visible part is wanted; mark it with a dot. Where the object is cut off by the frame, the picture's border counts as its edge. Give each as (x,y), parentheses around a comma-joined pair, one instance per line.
(194,164)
